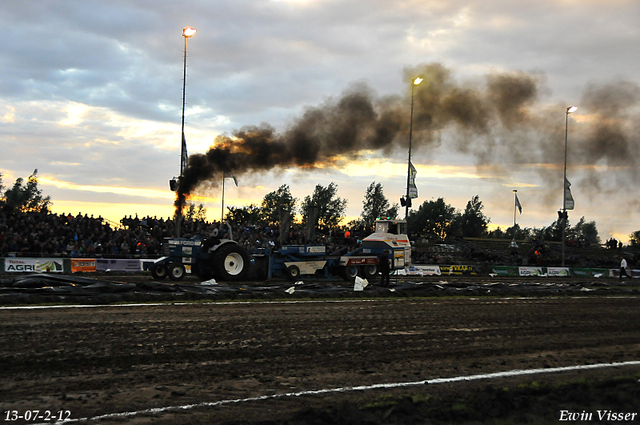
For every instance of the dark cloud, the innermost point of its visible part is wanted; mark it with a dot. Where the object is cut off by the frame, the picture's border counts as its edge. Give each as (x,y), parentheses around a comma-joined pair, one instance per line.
(497,121)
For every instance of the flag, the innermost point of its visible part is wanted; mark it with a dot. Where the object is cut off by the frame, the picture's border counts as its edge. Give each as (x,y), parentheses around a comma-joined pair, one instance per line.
(518,205)
(413,189)
(185,158)
(568,199)
(230,175)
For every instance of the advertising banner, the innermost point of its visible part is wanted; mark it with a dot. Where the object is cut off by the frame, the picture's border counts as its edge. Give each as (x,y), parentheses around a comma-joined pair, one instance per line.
(588,272)
(505,270)
(558,271)
(458,270)
(33,265)
(423,271)
(120,265)
(530,271)
(85,265)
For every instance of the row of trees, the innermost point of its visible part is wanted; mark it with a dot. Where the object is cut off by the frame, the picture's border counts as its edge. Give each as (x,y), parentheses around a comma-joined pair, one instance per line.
(323,208)
(439,220)
(434,219)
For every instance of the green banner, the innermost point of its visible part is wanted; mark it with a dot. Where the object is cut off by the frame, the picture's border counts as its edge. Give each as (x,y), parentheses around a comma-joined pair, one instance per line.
(504,270)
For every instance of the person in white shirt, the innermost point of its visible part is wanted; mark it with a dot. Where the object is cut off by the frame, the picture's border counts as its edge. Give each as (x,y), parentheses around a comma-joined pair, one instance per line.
(623,268)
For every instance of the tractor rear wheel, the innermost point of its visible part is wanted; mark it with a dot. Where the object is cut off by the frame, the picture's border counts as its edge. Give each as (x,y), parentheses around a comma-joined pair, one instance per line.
(159,271)
(231,263)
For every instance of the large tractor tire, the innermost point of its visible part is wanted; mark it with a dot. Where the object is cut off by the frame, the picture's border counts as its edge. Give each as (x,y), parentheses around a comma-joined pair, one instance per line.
(176,271)
(231,263)
(159,271)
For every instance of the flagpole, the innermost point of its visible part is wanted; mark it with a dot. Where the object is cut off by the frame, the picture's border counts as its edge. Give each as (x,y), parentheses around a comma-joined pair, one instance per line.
(222,215)
(186,33)
(563,220)
(515,206)
(414,83)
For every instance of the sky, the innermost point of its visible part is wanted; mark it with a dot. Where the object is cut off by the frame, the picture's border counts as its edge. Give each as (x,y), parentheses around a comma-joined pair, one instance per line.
(91,97)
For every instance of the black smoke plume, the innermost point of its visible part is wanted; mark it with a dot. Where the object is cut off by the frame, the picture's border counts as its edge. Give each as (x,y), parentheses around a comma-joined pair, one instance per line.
(501,120)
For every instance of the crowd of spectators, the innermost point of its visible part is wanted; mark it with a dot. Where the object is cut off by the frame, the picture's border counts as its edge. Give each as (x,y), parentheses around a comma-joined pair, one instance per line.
(44,234)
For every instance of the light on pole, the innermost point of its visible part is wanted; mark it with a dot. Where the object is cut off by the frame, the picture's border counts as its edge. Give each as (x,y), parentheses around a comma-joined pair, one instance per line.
(564,217)
(187,32)
(407,199)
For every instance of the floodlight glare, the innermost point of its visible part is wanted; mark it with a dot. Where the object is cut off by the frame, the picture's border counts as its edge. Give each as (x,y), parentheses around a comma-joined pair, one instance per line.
(188,32)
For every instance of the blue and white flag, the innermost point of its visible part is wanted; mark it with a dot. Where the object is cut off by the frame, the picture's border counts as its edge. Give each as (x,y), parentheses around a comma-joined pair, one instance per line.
(413,189)
(185,157)
(568,199)
(518,205)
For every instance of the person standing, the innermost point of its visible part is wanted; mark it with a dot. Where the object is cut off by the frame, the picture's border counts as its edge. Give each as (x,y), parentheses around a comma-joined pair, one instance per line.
(383,262)
(623,268)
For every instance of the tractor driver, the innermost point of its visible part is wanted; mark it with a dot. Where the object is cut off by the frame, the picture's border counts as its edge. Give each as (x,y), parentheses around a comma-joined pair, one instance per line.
(383,261)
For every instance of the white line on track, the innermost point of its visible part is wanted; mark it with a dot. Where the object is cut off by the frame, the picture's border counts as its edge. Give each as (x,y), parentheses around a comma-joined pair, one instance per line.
(496,375)
(222,303)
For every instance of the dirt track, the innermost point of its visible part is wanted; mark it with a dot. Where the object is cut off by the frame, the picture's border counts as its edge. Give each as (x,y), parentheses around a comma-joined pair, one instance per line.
(102,360)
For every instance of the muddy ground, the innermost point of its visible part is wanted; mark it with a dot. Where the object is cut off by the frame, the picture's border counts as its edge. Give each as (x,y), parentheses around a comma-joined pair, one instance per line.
(102,360)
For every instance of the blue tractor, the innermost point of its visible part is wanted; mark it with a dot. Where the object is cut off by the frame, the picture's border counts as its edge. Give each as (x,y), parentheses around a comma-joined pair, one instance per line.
(221,259)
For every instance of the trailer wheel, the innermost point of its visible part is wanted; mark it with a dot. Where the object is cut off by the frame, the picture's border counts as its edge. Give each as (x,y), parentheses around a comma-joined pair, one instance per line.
(159,271)
(231,262)
(369,270)
(293,272)
(349,272)
(176,271)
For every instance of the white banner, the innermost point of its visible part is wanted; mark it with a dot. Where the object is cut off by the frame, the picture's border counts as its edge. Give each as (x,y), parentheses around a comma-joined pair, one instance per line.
(530,271)
(420,271)
(558,272)
(33,265)
(103,265)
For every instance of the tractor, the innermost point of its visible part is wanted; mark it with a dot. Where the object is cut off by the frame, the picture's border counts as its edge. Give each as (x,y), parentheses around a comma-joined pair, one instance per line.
(222,259)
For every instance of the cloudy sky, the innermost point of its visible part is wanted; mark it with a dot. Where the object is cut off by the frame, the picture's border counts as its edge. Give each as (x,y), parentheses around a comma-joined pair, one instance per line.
(91,96)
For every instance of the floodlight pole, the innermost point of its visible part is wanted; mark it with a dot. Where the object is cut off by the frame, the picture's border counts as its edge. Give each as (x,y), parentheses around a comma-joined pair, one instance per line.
(414,83)
(569,110)
(187,32)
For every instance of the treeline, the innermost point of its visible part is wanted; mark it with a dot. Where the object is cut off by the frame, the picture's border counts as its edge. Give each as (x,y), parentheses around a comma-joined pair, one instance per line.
(441,221)
(434,220)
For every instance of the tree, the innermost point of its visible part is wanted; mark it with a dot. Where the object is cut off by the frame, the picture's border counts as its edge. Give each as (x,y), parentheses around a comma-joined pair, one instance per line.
(194,213)
(376,205)
(585,231)
(277,205)
(436,218)
(323,208)
(553,232)
(27,197)
(473,222)
(634,239)
(520,233)
(250,214)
